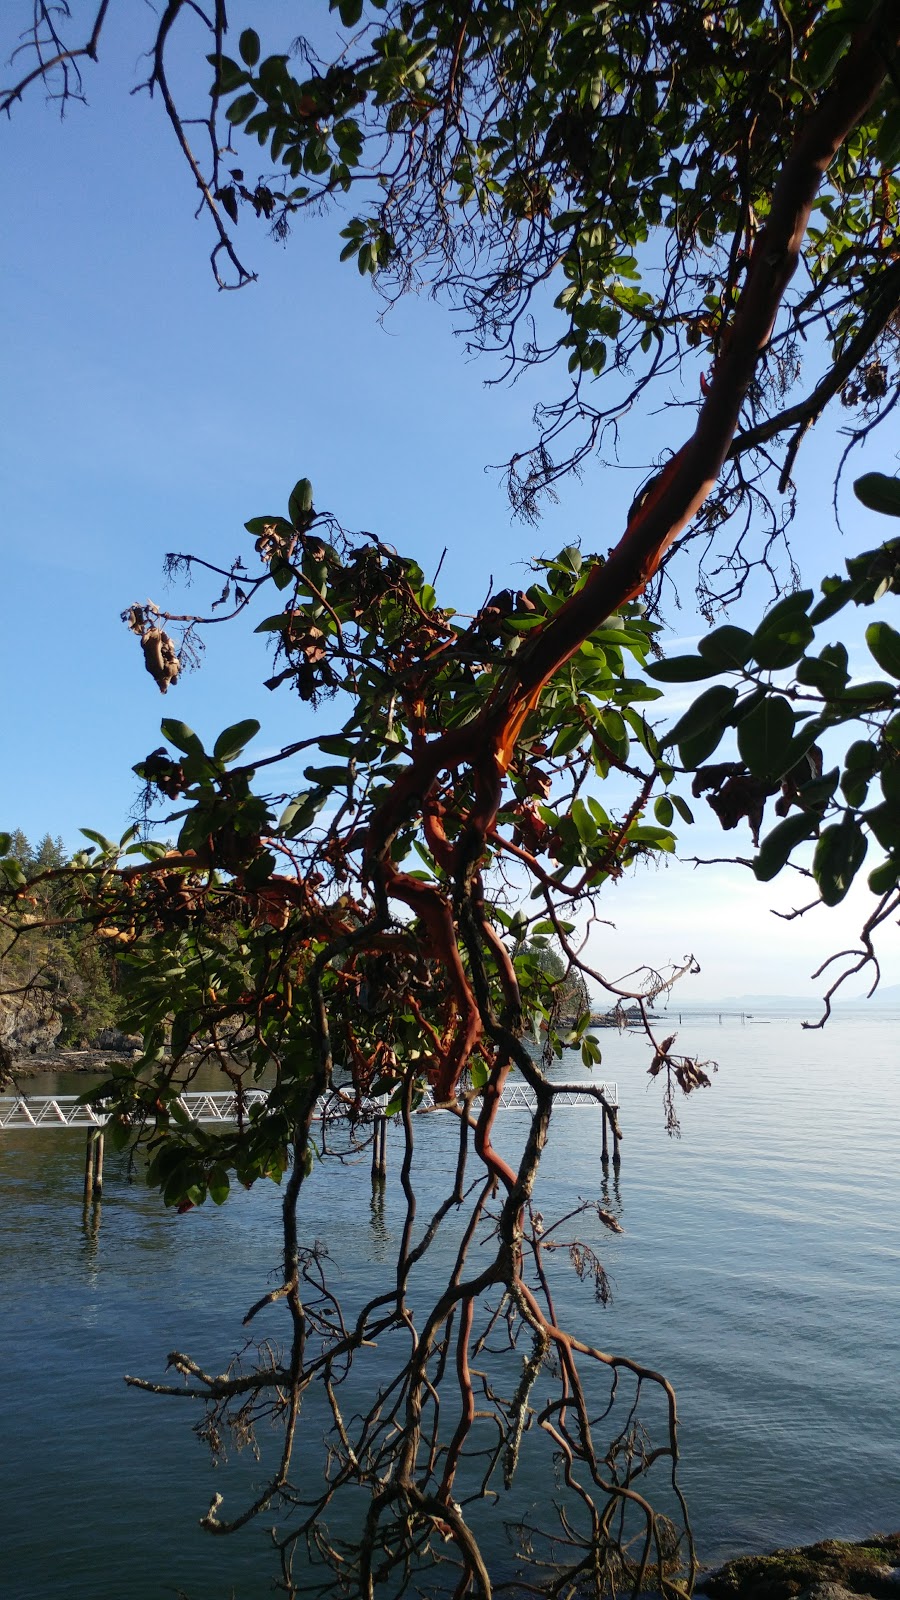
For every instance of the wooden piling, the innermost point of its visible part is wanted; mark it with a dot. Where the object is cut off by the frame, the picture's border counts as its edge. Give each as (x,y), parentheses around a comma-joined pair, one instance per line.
(97,1191)
(89,1166)
(617,1159)
(379,1150)
(93,1167)
(604,1154)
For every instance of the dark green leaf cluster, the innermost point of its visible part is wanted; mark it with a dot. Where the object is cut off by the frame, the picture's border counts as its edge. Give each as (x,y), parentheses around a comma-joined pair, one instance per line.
(789,700)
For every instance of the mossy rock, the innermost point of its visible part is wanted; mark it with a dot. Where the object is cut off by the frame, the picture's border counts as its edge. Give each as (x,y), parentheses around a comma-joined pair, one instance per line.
(863,1568)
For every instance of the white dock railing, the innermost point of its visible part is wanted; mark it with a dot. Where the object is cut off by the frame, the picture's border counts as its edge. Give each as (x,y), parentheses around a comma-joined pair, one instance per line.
(43,1111)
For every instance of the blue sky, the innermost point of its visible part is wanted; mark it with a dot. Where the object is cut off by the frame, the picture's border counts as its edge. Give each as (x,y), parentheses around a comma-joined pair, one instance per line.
(145,412)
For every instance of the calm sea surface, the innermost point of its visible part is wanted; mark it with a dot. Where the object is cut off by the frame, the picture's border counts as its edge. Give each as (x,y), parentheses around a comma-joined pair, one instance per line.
(759,1269)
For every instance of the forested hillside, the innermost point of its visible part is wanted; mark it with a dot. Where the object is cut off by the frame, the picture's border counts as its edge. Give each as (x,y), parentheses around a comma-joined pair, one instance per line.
(57,985)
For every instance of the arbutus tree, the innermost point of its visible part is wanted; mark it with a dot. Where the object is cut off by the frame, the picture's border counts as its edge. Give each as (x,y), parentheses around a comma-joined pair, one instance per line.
(377,925)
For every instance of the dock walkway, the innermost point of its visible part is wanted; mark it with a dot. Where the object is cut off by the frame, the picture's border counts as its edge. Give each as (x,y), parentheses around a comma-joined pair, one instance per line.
(44,1111)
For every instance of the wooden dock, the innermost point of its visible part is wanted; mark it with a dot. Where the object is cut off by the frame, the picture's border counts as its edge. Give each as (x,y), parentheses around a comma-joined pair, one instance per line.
(47,1112)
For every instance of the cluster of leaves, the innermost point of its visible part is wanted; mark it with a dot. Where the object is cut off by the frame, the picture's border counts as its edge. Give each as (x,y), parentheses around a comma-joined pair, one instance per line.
(793,705)
(629,151)
(267,906)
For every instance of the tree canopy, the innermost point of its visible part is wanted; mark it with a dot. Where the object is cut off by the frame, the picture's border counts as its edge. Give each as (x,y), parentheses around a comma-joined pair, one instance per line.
(699,190)
(583,180)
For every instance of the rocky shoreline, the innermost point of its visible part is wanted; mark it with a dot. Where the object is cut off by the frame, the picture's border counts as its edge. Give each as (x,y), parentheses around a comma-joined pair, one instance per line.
(19,1067)
(835,1569)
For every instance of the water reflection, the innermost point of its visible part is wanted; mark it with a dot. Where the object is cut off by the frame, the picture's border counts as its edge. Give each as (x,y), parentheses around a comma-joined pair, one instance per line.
(91,1217)
(379,1231)
(611,1192)
(750,1266)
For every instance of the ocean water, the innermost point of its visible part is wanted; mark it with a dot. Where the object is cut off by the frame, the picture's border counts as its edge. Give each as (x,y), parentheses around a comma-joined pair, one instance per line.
(759,1269)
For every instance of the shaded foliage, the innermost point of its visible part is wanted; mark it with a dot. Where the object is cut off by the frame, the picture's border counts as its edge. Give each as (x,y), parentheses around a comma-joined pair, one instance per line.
(784,698)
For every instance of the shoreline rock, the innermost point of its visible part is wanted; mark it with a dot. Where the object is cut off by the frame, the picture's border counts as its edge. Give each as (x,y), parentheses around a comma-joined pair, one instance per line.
(834,1569)
(21,1067)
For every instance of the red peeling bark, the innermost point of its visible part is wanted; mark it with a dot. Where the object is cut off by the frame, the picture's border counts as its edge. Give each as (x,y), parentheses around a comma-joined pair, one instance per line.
(485,747)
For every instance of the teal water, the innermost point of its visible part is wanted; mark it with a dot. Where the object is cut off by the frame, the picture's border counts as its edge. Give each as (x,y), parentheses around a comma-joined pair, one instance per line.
(759,1269)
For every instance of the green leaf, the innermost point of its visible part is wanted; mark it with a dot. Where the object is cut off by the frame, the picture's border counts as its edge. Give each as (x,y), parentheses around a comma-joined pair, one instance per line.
(876,692)
(727,647)
(231,76)
(887,139)
(890,777)
(612,730)
(300,504)
(694,751)
(821,673)
(785,632)
(875,572)
(568,739)
(585,825)
(765,737)
(297,815)
(240,109)
(884,877)
(180,1036)
(862,754)
(277,624)
(839,855)
(232,740)
(118,1131)
(681,669)
(183,737)
(884,644)
(248,45)
(879,493)
(683,809)
(12,872)
(805,737)
(478,1074)
(218,1185)
(817,792)
(570,559)
(712,710)
(259,526)
(106,845)
(777,845)
(282,573)
(884,821)
(337,745)
(5,843)
(328,777)
(648,833)
(836,593)
(663,810)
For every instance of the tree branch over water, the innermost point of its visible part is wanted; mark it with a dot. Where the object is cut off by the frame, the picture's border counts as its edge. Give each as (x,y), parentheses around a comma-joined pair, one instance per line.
(387,926)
